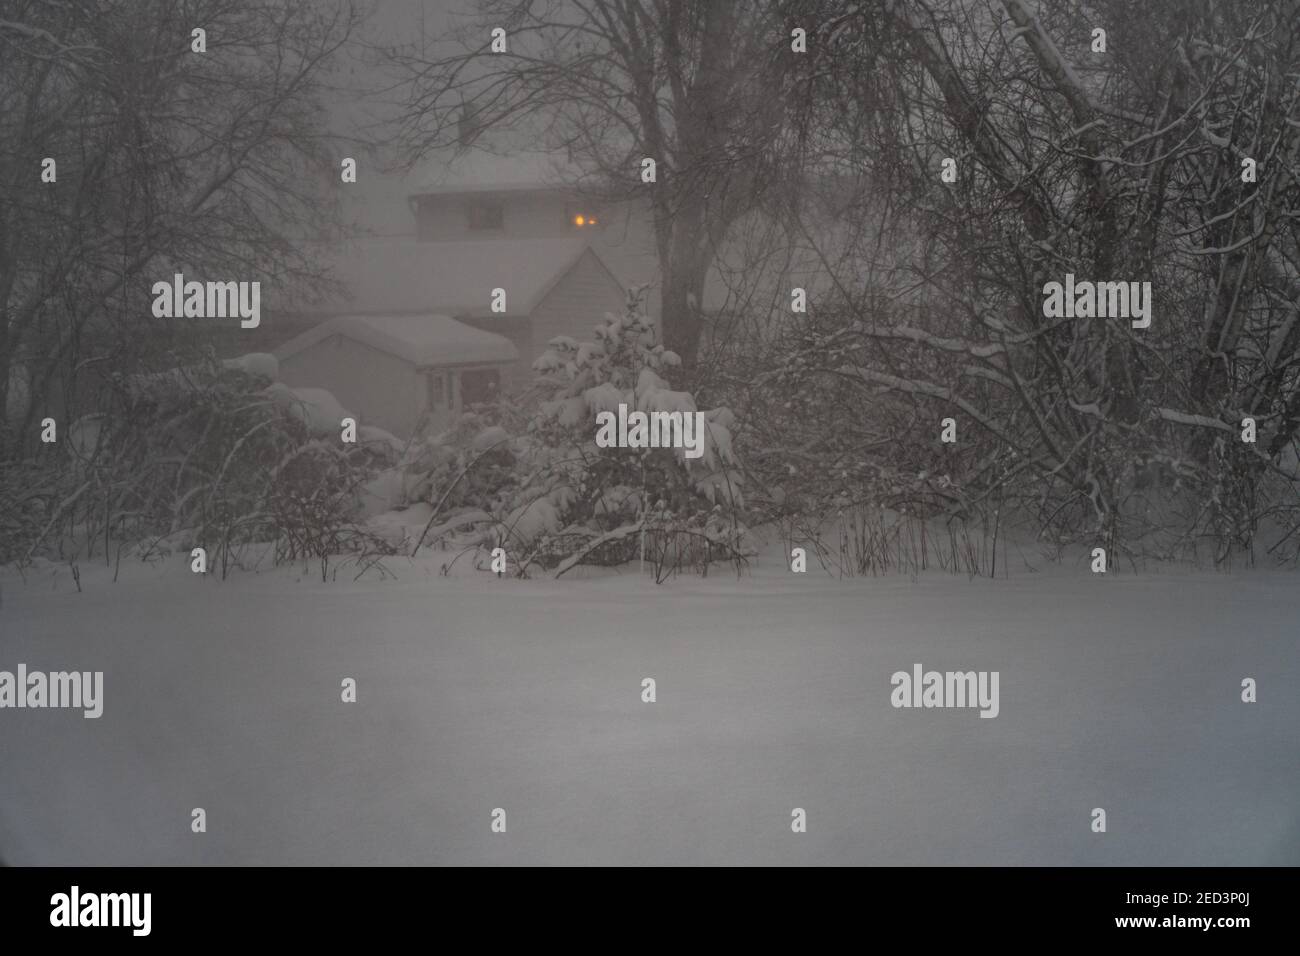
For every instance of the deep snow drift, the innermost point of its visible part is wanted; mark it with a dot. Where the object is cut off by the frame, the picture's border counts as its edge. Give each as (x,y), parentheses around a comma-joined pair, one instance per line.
(773,692)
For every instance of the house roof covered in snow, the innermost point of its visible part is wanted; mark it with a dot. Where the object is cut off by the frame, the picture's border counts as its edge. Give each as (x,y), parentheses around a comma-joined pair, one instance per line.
(392,274)
(425,340)
(477,170)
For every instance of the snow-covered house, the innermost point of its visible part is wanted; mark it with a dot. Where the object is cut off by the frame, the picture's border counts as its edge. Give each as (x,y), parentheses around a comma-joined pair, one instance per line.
(532,194)
(527,291)
(493,244)
(537,195)
(397,371)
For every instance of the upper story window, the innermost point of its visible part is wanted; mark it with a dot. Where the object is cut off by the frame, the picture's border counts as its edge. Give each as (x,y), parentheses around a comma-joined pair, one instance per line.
(580,217)
(486,215)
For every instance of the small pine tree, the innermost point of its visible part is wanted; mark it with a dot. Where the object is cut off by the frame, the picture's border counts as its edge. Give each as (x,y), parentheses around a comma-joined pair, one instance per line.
(576,491)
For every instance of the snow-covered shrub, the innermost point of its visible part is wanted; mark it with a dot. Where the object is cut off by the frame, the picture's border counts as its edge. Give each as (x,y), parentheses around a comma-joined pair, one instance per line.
(823,439)
(538,485)
(212,456)
(30,491)
(461,478)
(857,475)
(580,503)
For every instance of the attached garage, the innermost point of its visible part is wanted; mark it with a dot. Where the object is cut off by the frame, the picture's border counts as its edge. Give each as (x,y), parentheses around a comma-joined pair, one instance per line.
(551,287)
(400,372)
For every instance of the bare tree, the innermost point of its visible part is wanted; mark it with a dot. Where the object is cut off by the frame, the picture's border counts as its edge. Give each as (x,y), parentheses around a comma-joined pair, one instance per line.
(699,86)
(1169,156)
(166,159)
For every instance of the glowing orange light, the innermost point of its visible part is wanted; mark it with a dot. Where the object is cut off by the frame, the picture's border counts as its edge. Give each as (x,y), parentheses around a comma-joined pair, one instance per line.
(579,220)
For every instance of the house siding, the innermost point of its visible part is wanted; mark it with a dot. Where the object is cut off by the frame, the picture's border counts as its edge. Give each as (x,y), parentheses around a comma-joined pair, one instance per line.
(528,215)
(380,389)
(577,303)
(573,307)
(625,240)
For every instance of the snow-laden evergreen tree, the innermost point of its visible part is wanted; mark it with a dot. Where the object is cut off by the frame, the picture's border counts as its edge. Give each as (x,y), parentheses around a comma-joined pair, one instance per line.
(538,485)
(584,503)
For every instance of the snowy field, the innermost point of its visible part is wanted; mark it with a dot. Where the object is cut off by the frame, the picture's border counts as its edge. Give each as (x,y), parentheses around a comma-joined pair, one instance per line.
(773,692)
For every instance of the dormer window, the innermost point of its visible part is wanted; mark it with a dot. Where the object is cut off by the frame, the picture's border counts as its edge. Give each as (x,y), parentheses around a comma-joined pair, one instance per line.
(486,216)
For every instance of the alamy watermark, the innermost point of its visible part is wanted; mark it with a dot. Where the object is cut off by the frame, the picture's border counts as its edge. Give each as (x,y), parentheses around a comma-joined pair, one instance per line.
(946,689)
(651,430)
(1100,300)
(208,300)
(36,689)
(75,908)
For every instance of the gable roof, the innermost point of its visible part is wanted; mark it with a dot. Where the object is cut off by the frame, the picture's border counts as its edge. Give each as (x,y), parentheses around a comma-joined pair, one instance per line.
(425,340)
(398,274)
(477,170)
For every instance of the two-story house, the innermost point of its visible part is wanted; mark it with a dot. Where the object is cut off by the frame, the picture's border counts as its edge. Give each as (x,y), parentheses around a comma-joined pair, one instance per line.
(514,248)
(498,247)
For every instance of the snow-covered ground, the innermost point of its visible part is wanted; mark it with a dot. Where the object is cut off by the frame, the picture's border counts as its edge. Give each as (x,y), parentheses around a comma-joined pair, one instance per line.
(773,692)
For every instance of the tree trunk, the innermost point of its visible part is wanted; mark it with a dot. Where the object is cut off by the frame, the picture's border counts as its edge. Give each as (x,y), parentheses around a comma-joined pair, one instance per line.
(682,300)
